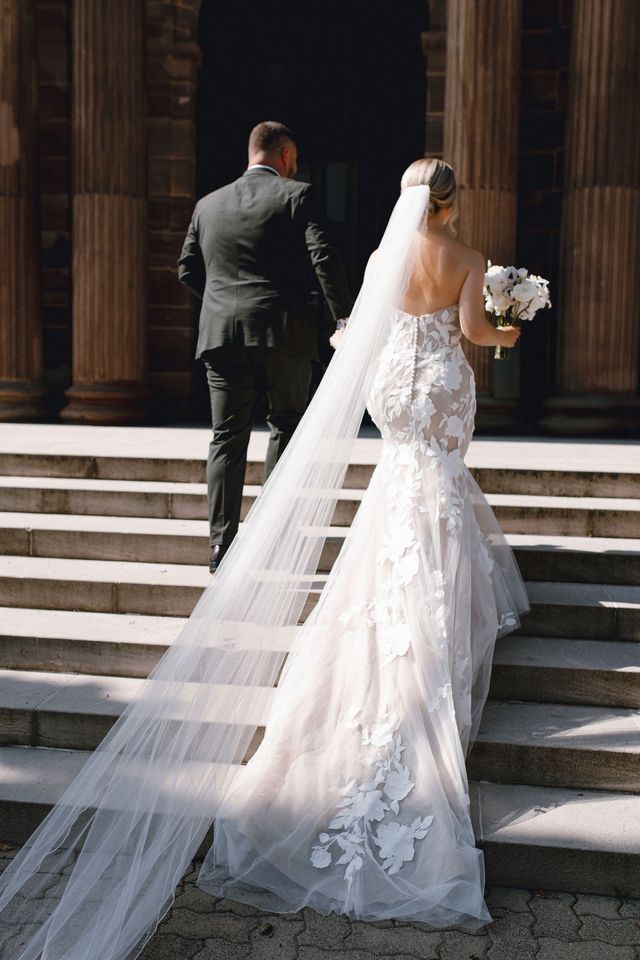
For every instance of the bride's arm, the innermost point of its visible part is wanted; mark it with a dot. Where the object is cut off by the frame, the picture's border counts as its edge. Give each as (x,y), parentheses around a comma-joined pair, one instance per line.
(335,339)
(473,319)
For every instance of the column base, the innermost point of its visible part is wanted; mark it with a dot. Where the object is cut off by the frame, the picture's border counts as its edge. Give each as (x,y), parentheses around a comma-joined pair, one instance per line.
(497,416)
(107,404)
(592,415)
(22,400)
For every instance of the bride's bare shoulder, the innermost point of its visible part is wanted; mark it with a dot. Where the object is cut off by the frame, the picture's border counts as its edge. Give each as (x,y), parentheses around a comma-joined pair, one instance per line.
(464,254)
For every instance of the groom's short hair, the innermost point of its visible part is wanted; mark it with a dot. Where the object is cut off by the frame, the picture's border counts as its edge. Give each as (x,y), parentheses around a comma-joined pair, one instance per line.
(268,136)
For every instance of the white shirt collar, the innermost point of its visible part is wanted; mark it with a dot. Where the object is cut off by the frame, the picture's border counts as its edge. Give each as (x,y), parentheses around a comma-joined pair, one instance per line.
(263,166)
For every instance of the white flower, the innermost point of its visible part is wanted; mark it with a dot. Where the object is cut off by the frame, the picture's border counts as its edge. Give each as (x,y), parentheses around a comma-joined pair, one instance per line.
(522,272)
(381,732)
(454,427)
(407,567)
(501,302)
(369,805)
(448,375)
(396,845)
(395,640)
(495,273)
(398,785)
(320,857)
(524,291)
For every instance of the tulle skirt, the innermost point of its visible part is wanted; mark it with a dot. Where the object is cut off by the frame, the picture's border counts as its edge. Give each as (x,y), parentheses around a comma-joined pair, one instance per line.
(357,800)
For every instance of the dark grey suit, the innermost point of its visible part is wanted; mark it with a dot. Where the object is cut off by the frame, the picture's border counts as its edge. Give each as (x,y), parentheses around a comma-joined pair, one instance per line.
(246,255)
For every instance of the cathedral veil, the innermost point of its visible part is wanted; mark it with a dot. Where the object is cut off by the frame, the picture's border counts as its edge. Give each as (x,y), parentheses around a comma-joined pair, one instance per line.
(97,876)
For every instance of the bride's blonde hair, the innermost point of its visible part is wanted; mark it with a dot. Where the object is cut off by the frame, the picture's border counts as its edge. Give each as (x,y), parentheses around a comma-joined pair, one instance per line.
(438,175)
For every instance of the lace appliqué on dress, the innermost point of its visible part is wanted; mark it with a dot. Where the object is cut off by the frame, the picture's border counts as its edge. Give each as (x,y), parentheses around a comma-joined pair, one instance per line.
(369,802)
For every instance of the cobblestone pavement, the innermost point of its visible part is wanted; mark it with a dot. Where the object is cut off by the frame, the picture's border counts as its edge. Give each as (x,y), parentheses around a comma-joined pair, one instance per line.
(527,925)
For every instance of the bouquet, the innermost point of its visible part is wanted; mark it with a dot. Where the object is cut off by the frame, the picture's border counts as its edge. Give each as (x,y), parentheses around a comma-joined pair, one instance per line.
(513,295)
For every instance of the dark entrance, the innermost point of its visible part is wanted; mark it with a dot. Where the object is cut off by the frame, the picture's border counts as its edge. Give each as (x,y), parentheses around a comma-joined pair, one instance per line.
(348,76)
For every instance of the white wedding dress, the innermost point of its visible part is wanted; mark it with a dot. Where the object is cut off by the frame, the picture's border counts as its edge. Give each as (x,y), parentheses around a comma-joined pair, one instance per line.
(357,800)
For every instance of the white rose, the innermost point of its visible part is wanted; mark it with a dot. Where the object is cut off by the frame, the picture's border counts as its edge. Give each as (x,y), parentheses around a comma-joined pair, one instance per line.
(398,785)
(320,857)
(524,291)
(497,272)
(501,302)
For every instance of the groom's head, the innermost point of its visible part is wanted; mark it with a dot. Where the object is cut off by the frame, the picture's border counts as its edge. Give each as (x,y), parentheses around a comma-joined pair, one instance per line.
(273,143)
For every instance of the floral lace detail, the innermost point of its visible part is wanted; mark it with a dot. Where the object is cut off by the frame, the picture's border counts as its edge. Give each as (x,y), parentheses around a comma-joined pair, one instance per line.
(423,400)
(368,802)
(508,622)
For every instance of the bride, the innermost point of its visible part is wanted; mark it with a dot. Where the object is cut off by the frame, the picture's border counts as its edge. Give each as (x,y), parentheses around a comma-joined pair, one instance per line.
(357,799)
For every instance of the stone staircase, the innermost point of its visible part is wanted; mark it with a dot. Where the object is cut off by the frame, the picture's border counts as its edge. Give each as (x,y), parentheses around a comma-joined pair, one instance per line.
(88,603)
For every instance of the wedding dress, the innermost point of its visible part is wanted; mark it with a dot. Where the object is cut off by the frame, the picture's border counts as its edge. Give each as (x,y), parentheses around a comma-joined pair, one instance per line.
(357,798)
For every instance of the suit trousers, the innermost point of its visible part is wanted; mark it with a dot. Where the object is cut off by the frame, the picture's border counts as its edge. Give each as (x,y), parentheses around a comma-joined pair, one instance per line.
(238,376)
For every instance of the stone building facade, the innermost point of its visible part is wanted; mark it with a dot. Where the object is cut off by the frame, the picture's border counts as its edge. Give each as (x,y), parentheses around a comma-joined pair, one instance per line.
(115,116)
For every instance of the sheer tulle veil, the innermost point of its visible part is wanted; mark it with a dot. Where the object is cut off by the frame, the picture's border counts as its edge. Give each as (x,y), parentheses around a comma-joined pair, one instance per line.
(99,873)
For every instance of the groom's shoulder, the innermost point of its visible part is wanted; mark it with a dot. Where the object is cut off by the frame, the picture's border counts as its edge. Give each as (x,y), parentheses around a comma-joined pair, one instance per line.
(213,199)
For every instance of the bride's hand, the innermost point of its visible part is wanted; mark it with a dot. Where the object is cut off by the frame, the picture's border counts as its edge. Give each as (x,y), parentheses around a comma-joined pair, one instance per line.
(336,337)
(508,336)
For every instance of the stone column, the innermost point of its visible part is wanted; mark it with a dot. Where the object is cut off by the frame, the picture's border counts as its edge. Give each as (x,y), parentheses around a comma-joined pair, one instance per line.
(21,391)
(482,94)
(109,214)
(599,319)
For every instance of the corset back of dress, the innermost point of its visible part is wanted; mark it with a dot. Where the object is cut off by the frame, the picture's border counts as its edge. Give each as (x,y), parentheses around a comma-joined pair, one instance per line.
(424,389)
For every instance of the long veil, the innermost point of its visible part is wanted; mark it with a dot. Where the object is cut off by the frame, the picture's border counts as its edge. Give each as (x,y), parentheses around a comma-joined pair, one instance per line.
(97,876)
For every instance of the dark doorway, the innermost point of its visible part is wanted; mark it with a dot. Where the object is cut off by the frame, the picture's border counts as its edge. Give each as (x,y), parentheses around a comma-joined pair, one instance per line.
(348,76)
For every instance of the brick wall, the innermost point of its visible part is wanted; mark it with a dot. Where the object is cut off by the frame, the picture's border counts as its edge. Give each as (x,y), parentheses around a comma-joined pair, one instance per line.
(545,70)
(53,38)
(172,64)
(434,46)
(543,95)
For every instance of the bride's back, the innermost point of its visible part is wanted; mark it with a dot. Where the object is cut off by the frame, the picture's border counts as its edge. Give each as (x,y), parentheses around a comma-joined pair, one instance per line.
(441,267)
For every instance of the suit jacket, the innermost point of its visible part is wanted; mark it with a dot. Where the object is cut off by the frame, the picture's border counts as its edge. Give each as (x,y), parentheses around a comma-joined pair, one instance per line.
(246,255)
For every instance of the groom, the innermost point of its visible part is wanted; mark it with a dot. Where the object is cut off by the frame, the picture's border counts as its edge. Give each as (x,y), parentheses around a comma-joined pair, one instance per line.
(245,255)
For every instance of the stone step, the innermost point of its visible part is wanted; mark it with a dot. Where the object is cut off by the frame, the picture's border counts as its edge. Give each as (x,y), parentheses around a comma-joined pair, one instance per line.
(69,641)
(590,611)
(559,745)
(563,516)
(593,611)
(151,540)
(76,711)
(169,455)
(124,498)
(557,670)
(532,837)
(545,557)
(525,668)
(101,586)
(543,744)
(558,839)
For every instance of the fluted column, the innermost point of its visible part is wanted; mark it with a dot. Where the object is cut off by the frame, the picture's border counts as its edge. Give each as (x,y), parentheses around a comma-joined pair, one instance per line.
(21,392)
(109,214)
(482,93)
(599,321)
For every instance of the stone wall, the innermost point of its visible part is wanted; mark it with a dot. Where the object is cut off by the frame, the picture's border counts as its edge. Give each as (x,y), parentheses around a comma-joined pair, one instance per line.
(543,100)
(53,40)
(172,63)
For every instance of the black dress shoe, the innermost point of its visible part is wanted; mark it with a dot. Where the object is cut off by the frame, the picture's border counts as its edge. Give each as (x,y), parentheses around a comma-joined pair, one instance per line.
(217,553)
